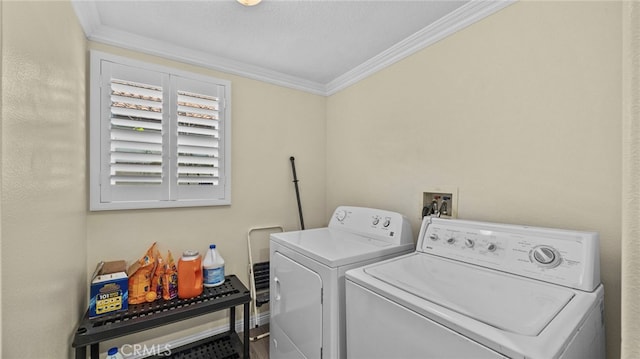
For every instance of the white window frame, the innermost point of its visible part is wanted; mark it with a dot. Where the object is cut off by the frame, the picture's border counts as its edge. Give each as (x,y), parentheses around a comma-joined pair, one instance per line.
(169,194)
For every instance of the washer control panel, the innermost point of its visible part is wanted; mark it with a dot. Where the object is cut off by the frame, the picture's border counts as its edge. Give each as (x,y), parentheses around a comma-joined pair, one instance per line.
(563,257)
(376,223)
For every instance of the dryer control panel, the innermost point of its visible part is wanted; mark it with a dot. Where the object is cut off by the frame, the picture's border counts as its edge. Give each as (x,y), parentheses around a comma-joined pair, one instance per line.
(564,257)
(388,226)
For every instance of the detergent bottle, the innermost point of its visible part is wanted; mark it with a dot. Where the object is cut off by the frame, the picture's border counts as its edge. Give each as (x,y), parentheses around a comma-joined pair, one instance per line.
(190,275)
(213,268)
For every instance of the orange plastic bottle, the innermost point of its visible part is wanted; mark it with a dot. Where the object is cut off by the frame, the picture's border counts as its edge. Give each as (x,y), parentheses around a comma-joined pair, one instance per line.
(189,275)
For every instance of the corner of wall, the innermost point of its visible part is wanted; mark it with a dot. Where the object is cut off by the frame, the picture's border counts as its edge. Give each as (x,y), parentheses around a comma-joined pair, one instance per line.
(630,270)
(1,161)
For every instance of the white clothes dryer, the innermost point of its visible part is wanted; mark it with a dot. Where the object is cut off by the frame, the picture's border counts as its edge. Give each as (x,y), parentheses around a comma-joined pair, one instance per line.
(480,290)
(307,269)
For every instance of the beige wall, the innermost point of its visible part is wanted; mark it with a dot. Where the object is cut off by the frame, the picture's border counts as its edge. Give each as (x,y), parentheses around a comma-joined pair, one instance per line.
(43,178)
(520,111)
(630,313)
(1,117)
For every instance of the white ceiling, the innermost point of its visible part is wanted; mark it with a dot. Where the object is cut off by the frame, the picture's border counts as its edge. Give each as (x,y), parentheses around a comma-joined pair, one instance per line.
(319,46)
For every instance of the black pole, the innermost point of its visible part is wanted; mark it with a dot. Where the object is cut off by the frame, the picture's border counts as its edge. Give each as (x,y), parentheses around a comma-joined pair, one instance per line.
(295,182)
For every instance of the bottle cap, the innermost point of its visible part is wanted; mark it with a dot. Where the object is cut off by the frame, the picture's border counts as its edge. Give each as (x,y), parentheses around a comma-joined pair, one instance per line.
(212,246)
(112,351)
(190,254)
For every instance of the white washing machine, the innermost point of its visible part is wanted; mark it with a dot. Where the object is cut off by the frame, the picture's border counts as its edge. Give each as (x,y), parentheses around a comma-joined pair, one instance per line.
(307,271)
(480,290)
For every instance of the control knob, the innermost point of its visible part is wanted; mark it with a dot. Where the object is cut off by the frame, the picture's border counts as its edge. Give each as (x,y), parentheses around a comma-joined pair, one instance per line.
(341,215)
(469,242)
(386,223)
(545,256)
(491,247)
(376,221)
(451,240)
(434,237)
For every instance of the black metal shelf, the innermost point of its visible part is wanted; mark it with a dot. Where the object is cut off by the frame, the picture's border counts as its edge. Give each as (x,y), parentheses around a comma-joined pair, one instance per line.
(140,317)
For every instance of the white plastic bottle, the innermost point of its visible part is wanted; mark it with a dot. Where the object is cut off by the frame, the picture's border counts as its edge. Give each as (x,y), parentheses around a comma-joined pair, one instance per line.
(114,354)
(213,268)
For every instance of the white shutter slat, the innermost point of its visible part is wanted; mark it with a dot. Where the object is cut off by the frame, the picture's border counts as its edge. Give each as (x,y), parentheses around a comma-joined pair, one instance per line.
(133,158)
(194,121)
(136,147)
(134,100)
(133,125)
(135,180)
(198,161)
(197,141)
(136,113)
(200,99)
(197,131)
(136,89)
(198,171)
(189,110)
(197,151)
(136,133)
(197,181)
(141,137)
(144,170)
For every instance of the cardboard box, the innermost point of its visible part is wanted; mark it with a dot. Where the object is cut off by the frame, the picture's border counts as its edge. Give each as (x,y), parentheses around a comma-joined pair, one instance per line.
(109,289)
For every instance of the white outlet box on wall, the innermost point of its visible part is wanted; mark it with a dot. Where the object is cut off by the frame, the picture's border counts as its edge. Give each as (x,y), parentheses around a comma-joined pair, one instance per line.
(440,201)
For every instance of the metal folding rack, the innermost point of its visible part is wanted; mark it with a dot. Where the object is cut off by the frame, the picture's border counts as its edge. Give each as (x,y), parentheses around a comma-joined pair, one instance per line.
(140,317)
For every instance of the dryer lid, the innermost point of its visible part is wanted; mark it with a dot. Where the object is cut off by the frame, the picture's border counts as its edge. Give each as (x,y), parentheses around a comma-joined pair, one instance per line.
(334,247)
(504,301)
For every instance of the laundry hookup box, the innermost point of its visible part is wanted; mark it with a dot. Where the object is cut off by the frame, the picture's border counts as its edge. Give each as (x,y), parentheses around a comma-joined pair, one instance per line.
(109,288)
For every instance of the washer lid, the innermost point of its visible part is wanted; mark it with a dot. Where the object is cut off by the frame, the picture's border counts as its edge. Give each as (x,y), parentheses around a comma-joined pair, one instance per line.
(334,247)
(504,301)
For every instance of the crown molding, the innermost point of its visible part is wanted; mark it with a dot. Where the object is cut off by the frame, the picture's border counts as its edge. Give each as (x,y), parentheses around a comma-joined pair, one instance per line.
(462,17)
(469,13)
(200,58)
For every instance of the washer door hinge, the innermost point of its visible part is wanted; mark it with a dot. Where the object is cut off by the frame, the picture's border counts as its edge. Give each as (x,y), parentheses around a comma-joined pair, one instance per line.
(321,301)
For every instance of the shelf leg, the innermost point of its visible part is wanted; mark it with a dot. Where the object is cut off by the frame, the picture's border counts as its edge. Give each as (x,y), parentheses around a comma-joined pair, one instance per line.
(81,353)
(246,330)
(95,351)
(232,319)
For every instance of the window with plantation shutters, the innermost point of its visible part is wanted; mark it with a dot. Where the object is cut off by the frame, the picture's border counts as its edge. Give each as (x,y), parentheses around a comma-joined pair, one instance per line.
(159,136)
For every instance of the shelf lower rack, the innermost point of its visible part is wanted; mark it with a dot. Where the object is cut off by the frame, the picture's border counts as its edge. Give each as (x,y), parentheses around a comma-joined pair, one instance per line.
(222,346)
(140,317)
